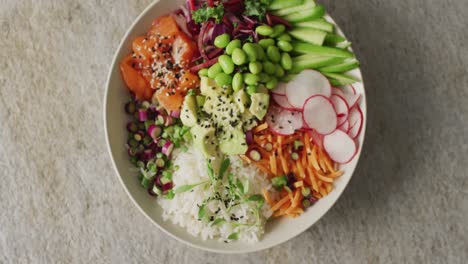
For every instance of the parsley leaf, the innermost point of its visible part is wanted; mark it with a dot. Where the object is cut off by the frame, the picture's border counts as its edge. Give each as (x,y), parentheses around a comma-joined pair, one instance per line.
(256,8)
(205,13)
(233,236)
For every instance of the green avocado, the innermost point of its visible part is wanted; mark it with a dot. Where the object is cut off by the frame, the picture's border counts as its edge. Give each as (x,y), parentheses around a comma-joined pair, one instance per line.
(189,111)
(259,105)
(208,87)
(249,121)
(233,142)
(204,138)
(241,98)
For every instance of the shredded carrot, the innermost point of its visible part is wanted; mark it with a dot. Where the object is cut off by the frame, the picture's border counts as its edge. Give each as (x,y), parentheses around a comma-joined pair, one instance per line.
(260,127)
(280,203)
(314,159)
(298,184)
(273,165)
(323,178)
(294,202)
(267,197)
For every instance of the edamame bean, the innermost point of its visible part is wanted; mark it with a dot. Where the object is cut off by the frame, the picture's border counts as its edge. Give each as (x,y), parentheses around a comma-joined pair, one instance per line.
(272,83)
(226,64)
(260,52)
(251,79)
(239,57)
(273,54)
(203,73)
(234,44)
(278,30)
(223,79)
(237,82)
(265,43)
(214,70)
(286,61)
(255,67)
(222,41)
(285,37)
(264,30)
(284,45)
(264,78)
(279,71)
(269,67)
(251,89)
(251,51)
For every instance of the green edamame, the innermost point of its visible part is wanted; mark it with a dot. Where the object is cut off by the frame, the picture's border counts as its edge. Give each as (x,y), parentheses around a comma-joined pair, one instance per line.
(261,55)
(234,44)
(269,67)
(222,41)
(264,78)
(284,45)
(286,61)
(203,73)
(251,51)
(237,82)
(273,54)
(223,79)
(264,30)
(239,57)
(255,67)
(265,43)
(279,71)
(272,83)
(278,30)
(251,89)
(226,64)
(285,37)
(251,79)
(214,70)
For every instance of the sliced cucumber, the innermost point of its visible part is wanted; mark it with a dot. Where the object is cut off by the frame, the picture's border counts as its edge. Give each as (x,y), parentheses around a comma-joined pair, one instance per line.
(316,50)
(306,14)
(282,4)
(333,39)
(340,79)
(309,35)
(313,62)
(343,45)
(341,67)
(286,11)
(317,24)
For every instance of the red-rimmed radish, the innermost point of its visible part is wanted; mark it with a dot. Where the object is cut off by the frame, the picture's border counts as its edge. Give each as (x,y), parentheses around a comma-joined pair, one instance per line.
(352,99)
(316,138)
(280,89)
(283,122)
(338,91)
(320,115)
(341,108)
(282,101)
(344,127)
(356,120)
(340,146)
(306,84)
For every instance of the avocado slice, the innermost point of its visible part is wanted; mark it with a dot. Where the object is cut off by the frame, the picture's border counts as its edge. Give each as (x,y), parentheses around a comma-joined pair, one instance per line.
(249,121)
(208,87)
(241,98)
(188,115)
(204,138)
(233,142)
(259,105)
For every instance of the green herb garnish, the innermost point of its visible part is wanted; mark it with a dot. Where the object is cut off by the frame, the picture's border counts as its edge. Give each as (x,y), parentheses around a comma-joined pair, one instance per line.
(279,181)
(256,8)
(187,188)
(205,13)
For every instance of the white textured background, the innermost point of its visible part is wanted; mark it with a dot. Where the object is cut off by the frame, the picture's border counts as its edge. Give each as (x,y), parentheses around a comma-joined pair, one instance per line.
(61,203)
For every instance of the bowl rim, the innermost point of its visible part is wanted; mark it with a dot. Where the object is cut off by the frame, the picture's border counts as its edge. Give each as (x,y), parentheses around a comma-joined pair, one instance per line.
(205,248)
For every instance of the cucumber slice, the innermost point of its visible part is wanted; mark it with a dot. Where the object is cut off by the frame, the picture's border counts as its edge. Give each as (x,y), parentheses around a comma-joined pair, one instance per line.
(308,48)
(343,45)
(313,62)
(340,79)
(317,24)
(309,35)
(306,15)
(333,39)
(282,4)
(286,11)
(342,67)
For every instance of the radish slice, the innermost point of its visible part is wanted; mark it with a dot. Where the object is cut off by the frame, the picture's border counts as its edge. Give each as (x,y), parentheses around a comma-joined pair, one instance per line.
(338,91)
(356,119)
(341,107)
(319,114)
(352,99)
(282,101)
(283,122)
(316,138)
(307,84)
(280,89)
(344,127)
(349,89)
(340,146)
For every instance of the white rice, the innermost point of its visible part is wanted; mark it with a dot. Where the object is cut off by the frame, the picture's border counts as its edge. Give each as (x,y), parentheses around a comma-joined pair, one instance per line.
(183,209)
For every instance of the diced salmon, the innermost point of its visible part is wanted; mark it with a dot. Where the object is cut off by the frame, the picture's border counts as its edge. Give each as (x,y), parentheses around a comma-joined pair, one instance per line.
(143,48)
(164,30)
(134,80)
(184,50)
(170,99)
(189,81)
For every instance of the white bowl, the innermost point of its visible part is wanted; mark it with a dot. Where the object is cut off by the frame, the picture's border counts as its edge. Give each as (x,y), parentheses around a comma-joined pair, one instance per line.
(115,119)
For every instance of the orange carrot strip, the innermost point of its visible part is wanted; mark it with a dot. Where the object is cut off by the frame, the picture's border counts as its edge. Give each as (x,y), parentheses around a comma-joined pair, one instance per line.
(267,197)
(329,188)
(312,179)
(335,174)
(273,165)
(322,191)
(260,127)
(313,159)
(323,178)
(298,184)
(280,203)
(295,201)
(300,169)
(245,158)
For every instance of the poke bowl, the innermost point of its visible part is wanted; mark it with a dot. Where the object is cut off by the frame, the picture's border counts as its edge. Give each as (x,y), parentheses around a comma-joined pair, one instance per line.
(234,126)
